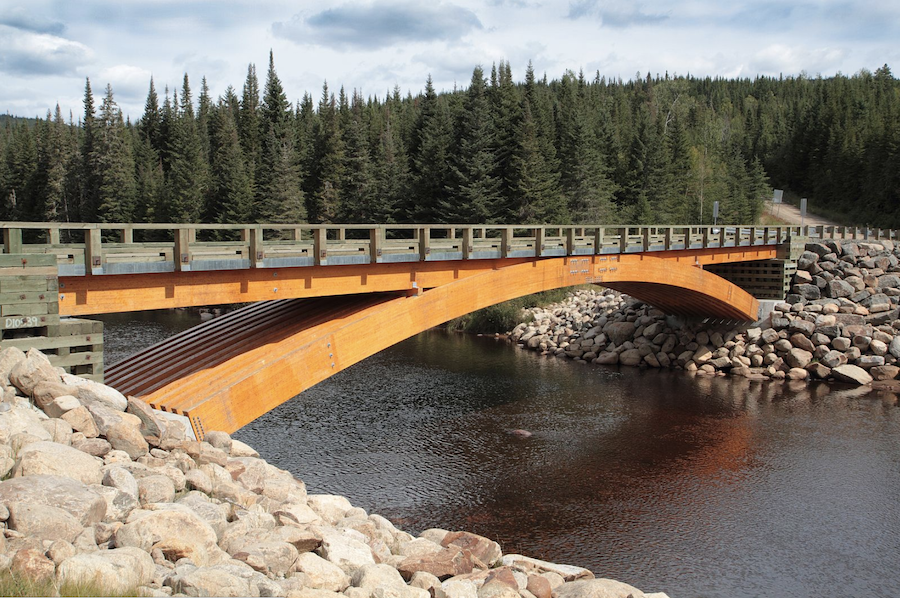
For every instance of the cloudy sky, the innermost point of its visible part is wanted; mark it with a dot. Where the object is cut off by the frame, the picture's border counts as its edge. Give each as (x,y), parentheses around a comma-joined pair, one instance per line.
(49,47)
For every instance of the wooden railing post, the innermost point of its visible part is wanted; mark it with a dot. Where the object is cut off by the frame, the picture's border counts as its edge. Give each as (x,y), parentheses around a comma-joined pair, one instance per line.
(623,239)
(506,238)
(645,238)
(667,243)
(467,242)
(257,248)
(376,240)
(539,241)
(570,240)
(705,237)
(126,235)
(598,240)
(93,251)
(424,243)
(53,236)
(320,246)
(182,253)
(12,240)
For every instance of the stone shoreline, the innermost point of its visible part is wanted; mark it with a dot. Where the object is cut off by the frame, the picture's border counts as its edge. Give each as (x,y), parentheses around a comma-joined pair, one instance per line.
(98,486)
(841,323)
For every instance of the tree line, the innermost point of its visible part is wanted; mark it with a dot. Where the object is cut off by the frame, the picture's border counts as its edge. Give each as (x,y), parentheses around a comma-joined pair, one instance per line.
(652,150)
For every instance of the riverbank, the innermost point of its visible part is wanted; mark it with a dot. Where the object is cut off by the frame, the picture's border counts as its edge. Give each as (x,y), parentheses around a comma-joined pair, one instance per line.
(841,322)
(99,487)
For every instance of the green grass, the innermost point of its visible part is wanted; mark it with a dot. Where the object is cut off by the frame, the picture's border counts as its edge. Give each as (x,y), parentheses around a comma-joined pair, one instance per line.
(17,585)
(505,316)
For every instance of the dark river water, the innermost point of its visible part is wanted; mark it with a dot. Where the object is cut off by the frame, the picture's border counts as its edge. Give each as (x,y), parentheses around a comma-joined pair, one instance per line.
(698,487)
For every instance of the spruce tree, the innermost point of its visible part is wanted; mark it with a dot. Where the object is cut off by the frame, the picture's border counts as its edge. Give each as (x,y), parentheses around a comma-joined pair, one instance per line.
(429,160)
(474,188)
(231,193)
(114,163)
(327,162)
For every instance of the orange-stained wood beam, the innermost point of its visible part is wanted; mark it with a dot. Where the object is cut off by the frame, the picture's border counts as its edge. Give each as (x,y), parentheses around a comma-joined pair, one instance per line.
(86,295)
(228,394)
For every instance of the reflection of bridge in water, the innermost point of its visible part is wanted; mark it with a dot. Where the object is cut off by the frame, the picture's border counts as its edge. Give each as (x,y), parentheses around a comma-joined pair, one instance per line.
(335,294)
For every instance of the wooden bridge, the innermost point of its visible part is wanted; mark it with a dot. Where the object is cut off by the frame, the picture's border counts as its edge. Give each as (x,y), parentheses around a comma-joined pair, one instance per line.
(327,296)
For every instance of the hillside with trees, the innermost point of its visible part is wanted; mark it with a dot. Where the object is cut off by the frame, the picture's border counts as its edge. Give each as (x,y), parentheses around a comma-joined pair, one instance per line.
(575,149)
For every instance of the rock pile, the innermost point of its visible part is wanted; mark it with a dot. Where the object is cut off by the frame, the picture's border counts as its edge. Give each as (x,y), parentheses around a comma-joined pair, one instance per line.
(840,322)
(98,486)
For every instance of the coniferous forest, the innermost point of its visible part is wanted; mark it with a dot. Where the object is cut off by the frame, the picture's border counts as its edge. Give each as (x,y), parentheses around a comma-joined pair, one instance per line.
(653,150)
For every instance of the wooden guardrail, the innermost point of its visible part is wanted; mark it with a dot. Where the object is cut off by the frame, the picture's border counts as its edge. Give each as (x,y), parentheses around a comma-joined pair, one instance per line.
(136,248)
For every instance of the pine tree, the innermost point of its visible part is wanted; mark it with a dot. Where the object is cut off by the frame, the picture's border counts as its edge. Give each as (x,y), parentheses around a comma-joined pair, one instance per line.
(54,160)
(113,160)
(89,201)
(429,160)
(327,162)
(187,171)
(231,193)
(279,193)
(474,189)
(357,189)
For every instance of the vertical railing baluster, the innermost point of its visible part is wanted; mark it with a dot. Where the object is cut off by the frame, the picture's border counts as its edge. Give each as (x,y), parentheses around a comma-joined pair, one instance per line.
(598,240)
(93,251)
(506,239)
(320,246)
(468,242)
(539,241)
(570,240)
(376,240)
(182,252)
(257,247)
(424,243)
(12,240)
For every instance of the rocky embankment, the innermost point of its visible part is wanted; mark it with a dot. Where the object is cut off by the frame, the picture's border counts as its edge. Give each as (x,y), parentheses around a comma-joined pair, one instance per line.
(100,487)
(841,322)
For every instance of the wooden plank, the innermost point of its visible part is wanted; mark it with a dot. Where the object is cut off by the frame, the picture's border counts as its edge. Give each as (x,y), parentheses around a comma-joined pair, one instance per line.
(28,309)
(28,322)
(28,297)
(56,342)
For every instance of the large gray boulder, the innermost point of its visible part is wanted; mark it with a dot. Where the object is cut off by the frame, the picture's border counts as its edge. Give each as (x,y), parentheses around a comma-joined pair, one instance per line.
(29,372)
(119,569)
(177,527)
(214,581)
(43,521)
(50,458)
(58,491)
(619,332)
(90,392)
(322,574)
(598,588)
(346,552)
(9,358)
(851,374)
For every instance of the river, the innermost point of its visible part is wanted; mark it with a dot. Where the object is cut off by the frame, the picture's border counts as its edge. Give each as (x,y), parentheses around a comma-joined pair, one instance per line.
(699,487)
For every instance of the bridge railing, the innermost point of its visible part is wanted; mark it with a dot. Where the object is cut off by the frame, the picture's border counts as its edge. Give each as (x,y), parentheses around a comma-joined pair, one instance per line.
(84,248)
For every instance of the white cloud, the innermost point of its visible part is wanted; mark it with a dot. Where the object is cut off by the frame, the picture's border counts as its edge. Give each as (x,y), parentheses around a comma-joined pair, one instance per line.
(780,58)
(35,54)
(379,24)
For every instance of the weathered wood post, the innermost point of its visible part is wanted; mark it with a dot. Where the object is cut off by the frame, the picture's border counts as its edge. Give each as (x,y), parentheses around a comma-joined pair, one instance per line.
(320,246)
(182,253)
(376,241)
(257,247)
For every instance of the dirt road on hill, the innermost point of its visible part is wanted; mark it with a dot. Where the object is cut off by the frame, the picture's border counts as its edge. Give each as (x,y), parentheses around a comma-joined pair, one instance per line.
(791,214)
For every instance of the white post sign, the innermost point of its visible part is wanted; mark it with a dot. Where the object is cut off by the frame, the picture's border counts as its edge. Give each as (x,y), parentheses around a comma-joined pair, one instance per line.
(802,210)
(777,196)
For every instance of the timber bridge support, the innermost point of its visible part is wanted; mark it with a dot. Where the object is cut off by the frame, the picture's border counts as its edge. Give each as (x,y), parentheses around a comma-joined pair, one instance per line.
(326,288)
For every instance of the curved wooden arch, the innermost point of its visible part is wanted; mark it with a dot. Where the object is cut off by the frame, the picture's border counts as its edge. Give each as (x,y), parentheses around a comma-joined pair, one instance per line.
(229,371)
